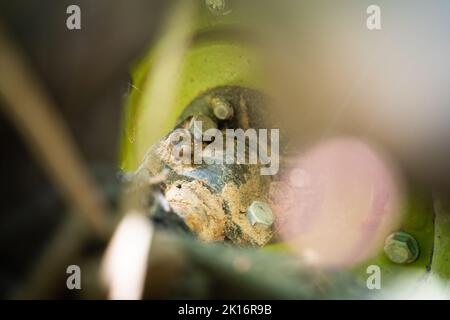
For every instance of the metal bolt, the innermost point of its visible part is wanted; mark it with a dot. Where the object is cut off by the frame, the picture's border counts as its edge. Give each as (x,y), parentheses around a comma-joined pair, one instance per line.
(401,248)
(222,108)
(199,124)
(218,7)
(260,213)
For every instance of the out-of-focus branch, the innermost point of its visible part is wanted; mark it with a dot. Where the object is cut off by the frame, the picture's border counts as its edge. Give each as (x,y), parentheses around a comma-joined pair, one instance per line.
(35,116)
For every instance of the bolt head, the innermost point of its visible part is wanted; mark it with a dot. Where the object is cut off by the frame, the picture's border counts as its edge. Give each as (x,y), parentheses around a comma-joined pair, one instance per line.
(260,213)
(199,124)
(222,109)
(401,248)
